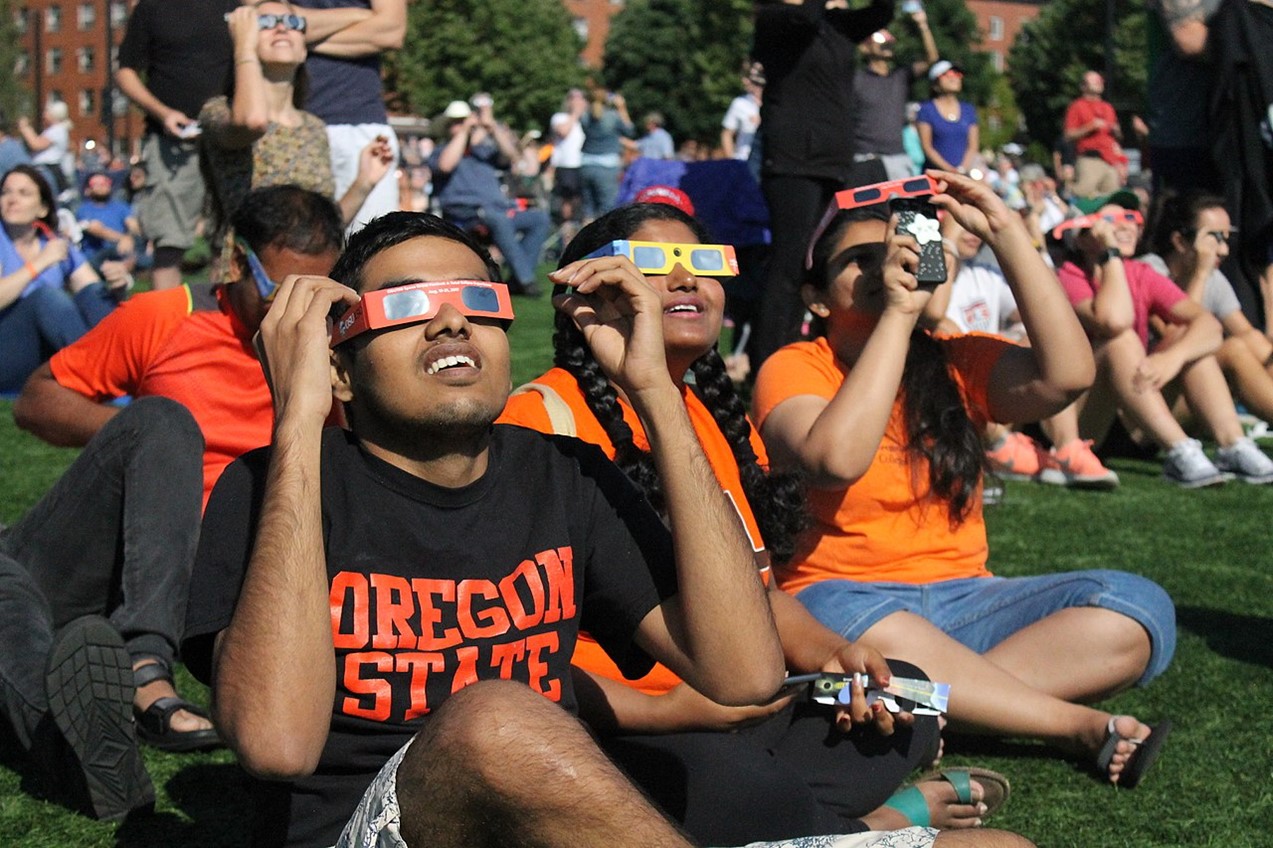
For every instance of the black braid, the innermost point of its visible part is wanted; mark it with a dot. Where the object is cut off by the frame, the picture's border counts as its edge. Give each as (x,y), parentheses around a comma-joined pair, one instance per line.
(776,499)
(571,353)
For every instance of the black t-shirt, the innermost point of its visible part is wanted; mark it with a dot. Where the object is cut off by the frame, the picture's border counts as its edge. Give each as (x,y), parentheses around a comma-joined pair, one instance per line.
(809,53)
(182,50)
(434,588)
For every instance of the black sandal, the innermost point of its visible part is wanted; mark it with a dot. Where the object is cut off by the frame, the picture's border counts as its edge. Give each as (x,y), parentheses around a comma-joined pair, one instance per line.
(154,724)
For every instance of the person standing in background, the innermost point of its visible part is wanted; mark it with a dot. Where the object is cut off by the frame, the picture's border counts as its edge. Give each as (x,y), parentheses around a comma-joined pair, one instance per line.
(882,91)
(174,56)
(1091,124)
(346,39)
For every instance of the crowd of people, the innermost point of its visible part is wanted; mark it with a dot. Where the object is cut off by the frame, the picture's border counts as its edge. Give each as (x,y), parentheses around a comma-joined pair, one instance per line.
(434,611)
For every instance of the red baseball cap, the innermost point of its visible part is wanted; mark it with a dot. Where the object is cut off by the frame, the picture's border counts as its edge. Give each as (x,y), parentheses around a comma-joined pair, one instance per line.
(666,194)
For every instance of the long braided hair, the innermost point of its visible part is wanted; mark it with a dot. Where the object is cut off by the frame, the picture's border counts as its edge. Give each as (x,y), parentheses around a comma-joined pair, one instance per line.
(938,427)
(776,500)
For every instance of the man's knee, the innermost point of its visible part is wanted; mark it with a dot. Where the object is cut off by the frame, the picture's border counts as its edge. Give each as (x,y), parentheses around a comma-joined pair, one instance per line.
(163,421)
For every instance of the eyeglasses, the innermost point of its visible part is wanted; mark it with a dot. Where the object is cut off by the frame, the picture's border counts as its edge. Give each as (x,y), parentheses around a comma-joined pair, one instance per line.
(416,302)
(870,195)
(1085,222)
(653,258)
(289,21)
(1219,235)
(267,287)
(952,73)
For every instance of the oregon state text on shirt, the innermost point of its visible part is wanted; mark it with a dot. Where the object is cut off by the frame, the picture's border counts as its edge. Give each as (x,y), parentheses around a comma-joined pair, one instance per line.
(397,638)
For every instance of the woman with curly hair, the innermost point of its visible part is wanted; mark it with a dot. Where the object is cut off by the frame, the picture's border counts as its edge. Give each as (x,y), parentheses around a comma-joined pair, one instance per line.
(728,774)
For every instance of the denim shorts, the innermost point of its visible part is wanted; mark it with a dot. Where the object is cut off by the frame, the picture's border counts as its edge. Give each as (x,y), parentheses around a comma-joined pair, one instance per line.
(980,612)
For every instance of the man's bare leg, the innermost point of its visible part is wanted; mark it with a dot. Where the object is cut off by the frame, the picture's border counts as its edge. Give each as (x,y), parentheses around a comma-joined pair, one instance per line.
(499,765)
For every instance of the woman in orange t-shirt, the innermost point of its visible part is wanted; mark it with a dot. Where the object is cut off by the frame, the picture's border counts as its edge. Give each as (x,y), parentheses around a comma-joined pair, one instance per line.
(729,775)
(884,421)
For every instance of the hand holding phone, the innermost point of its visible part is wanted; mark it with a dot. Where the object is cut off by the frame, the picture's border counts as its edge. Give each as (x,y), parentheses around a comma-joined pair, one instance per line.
(917,217)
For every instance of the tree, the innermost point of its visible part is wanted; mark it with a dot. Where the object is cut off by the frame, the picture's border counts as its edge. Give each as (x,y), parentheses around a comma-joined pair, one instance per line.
(15,100)
(1068,38)
(680,57)
(524,52)
(955,31)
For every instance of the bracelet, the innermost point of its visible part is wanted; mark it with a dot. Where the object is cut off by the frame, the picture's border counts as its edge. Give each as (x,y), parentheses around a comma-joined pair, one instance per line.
(31,269)
(251,60)
(1110,253)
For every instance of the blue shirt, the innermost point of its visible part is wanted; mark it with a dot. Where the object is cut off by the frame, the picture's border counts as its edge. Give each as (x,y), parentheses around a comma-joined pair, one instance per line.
(112,213)
(54,275)
(475,182)
(657,145)
(950,138)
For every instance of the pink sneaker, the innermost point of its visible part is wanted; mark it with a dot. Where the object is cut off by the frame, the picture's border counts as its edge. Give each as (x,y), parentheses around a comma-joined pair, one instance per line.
(1081,468)
(1016,456)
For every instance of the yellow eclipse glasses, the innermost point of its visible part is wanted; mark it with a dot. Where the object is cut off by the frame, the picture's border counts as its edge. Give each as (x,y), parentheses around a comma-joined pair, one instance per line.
(416,302)
(654,257)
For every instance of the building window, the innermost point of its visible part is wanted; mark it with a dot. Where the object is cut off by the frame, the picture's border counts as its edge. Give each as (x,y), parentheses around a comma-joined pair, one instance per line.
(21,66)
(84,57)
(53,19)
(996,28)
(996,60)
(53,61)
(581,27)
(20,19)
(119,14)
(88,103)
(86,16)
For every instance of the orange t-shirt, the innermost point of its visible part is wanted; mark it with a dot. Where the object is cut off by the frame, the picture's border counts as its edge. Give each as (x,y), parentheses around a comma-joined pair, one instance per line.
(527,409)
(178,344)
(884,527)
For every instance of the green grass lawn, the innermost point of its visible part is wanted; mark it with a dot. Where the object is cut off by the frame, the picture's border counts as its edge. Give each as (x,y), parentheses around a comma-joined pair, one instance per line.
(1213,785)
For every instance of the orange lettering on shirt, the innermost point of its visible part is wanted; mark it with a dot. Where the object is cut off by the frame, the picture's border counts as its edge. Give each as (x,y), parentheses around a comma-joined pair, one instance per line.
(349,592)
(526,573)
(426,590)
(395,605)
(419,663)
(559,573)
(537,646)
(379,664)
(484,623)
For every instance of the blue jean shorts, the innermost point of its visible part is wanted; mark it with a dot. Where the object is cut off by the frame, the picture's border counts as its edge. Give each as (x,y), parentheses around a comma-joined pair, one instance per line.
(980,612)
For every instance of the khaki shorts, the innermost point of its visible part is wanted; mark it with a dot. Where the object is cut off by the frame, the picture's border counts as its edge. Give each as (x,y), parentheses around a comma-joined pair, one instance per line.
(170,205)
(376,823)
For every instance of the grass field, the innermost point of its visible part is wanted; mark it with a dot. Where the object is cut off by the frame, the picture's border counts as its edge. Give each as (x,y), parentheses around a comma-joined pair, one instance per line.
(1209,549)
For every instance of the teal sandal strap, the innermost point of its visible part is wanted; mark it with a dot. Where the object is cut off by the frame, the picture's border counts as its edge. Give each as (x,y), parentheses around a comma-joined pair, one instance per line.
(962,782)
(910,803)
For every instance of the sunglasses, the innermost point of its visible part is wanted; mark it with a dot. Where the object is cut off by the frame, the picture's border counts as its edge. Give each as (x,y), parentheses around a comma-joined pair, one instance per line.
(1085,222)
(414,303)
(289,21)
(869,195)
(652,258)
(267,287)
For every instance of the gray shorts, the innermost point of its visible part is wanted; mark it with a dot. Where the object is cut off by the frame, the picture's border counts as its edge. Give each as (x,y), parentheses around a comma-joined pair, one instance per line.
(168,208)
(376,823)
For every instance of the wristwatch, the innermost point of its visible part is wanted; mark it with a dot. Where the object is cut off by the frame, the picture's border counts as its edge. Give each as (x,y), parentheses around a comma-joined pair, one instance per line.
(1110,253)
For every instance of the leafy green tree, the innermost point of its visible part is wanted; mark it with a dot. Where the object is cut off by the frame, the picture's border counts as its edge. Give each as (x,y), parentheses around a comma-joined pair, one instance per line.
(524,52)
(15,99)
(1068,38)
(680,57)
(958,39)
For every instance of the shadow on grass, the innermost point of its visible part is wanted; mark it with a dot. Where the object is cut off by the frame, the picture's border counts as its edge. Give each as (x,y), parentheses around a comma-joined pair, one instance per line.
(1246,638)
(215,798)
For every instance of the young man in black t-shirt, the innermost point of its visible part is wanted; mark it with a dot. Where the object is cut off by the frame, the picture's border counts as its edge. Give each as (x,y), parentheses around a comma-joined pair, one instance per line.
(348,586)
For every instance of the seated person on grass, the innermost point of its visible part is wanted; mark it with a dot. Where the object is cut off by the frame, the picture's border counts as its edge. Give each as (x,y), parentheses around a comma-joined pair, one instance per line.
(885,421)
(1190,239)
(388,613)
(977,298)
(117,534)
(1115,296)
(731,774)
(111,230)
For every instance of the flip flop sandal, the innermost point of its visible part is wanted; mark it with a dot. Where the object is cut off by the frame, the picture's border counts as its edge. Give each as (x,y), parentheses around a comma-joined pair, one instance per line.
(154,724)
(910,801)
(1146,751)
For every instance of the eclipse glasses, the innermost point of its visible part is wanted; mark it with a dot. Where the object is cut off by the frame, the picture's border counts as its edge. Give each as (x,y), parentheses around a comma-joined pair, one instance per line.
(1085,222)
(416,302)
(652,257)
(852,198)
(289,21)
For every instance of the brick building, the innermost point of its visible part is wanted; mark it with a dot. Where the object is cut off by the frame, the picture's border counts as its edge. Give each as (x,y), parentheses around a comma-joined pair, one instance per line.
(592,22)
(1000,22)
(67,48)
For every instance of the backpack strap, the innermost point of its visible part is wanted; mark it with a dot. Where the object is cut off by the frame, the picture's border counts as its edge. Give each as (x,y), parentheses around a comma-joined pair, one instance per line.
(560,415)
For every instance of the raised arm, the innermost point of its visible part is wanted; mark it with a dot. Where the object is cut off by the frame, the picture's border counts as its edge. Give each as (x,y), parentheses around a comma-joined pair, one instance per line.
(1027,384)
(274,668)
(717,631)
(1110,312)
(384,29)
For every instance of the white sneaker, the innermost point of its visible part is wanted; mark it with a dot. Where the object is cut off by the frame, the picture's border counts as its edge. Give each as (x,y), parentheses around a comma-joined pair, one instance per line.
(1187,466)
(1246,461)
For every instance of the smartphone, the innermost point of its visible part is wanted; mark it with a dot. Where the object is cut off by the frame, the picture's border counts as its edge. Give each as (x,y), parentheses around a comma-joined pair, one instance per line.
(917,217)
